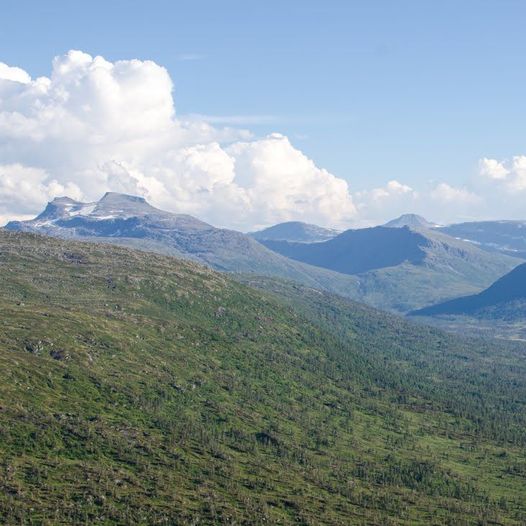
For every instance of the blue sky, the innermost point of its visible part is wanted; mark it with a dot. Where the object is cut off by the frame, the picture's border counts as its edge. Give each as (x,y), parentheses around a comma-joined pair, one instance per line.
(415,91)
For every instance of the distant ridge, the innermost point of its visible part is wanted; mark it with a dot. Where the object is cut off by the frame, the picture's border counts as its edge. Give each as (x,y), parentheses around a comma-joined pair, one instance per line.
(505,299)
(295,231)
(357,251)
(411,221)
(506,236)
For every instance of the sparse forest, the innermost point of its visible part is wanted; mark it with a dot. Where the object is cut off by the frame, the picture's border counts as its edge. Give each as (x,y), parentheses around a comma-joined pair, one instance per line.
(183,397)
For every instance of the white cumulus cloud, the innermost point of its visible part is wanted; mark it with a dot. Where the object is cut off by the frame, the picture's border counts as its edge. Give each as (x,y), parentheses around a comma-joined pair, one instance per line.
(23,188)
(13,74)
(446,193)
(511,174)
(393,189)
(386,202)
(493,169)
(94,126)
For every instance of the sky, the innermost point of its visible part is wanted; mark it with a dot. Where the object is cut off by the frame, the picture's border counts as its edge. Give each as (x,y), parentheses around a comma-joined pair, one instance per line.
(342,113)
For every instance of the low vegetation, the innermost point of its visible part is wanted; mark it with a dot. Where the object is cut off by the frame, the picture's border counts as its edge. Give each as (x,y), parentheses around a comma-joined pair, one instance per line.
(141,389)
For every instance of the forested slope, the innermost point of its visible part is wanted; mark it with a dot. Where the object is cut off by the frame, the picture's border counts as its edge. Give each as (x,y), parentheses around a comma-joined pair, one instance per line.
(141,389)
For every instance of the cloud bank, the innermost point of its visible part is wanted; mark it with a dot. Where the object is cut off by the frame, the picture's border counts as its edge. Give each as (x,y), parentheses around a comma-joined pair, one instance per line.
(94,126)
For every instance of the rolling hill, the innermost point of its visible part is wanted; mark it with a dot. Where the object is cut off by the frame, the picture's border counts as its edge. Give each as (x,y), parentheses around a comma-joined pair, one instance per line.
(142,389)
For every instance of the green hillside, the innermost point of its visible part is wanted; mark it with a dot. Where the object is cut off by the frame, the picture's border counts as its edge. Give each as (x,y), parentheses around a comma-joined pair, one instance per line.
(140,389)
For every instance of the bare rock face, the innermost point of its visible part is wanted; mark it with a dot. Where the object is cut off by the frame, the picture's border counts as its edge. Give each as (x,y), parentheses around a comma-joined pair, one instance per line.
(59,354)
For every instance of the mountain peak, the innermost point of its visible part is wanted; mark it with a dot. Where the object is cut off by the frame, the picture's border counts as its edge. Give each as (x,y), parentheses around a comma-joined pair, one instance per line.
(411,221)
(295,231)
(114,204)
(64,200)
(116,196)
(113,215)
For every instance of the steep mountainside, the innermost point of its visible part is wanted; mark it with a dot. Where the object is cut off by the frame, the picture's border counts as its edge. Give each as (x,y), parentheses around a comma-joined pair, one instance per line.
(140,389)
(400,268)
(131,221)
(295,231)
(508,237)
(505,299)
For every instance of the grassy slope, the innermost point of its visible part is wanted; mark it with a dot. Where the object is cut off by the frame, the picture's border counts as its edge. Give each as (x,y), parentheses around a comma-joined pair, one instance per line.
(247,256)
(451,268)
(139,389)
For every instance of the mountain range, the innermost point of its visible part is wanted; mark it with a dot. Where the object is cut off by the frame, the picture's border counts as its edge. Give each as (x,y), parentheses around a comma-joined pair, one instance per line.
(399,269)
(505,236)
